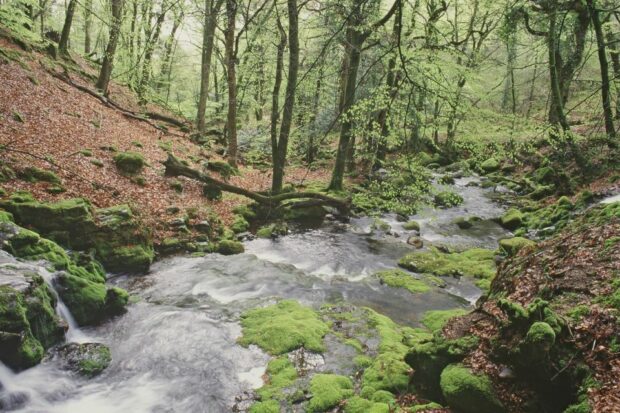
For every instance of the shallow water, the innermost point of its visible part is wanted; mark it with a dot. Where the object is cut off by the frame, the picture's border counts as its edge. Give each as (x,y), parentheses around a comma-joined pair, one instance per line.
(175,349)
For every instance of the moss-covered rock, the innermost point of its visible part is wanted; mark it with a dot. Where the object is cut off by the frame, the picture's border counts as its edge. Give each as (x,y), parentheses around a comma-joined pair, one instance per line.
(400,279)
(428,359)
(310,215)
(512,219)
(282,374)
(490,165)
(229,247)
(129,162)
(510,246)
(274,230)
(34,174)
(283,327)
(87,359)
(411,226)
(476,262)
(447,199)
(221,167)
(268,406)
(468,392)
(327,391)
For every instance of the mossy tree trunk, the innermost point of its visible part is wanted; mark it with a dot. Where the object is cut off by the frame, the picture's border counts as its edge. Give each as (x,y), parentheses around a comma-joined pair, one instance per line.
(63,44)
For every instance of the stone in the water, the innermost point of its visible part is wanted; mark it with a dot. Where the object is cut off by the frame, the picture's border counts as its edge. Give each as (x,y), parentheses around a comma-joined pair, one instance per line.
(88,359)
(415,241)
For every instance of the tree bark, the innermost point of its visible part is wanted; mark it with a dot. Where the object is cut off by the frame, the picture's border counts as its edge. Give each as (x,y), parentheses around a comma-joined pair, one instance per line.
(604,66)
(88,5)
(169,47)
(289,100)
(108,59)
(210,23)
(275,96)
(614,52)
(556,112)
(150,44)
(231,79)
(63,44)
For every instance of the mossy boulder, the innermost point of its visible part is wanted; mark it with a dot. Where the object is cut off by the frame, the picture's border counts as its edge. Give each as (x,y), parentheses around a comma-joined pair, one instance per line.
(468,392)
(411,226)
(512,219)
(82,287)
(358,404)
(274,230)
(447,199)
(511,246)
(34,174)
(28,323)
(490,165)
(87,359)
(429,357)
(283,327)
(221,167)
(327,391)
(229,247)
(115,234)
(308,215)
(400,279)
(129,163)
(476,262)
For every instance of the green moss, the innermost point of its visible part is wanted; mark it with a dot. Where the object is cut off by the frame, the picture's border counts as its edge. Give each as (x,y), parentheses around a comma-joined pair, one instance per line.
(229,247)
(269,406)
(551,218)
(272,230)
(468,392)
(424,407)
(129,162)
(511,246)
(400,279)
(212,192)
(125,259)
(327,391)
(282,374)
(540,335)
(85,299)
(239,224)
(447,199)
(283,327)
(357,404)
(86,152)
(476,262)
(512,219)
(176,186)
(96,362)
(245,211)
(305,215)
(34,174)
(362,361)
(436,319)
(411,226)
(490,165)
(221,167)
(387,372)
(97,162)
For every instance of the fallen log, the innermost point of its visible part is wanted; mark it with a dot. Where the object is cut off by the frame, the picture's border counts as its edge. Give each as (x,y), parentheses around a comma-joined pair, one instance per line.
(175,167)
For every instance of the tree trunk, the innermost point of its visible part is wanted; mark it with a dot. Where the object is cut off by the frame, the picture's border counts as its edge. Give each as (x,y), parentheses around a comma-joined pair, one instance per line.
(88,5)
(556,112)
(63,44)
(231,79)
(289,100)
(275,96)
(509,97)
(602,58)
(108,58)
(614,52)
(208,36)
(169,47)
(356,40)
(151,42)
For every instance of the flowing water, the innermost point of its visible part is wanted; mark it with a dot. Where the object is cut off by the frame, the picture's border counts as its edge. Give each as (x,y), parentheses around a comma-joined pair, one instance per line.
(175,349)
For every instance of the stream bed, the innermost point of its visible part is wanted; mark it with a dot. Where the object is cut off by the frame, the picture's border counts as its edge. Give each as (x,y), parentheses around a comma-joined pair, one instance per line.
(175,349)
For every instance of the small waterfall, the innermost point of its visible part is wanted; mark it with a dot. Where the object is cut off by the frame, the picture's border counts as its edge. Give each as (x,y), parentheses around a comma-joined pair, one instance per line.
(73,334)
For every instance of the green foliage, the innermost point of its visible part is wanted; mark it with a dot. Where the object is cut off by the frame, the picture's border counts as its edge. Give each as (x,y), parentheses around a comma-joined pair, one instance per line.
(283,327)
(447,199)
(327,391)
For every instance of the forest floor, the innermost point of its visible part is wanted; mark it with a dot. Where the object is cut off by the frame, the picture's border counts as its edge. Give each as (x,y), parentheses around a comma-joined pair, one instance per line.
(47,123)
